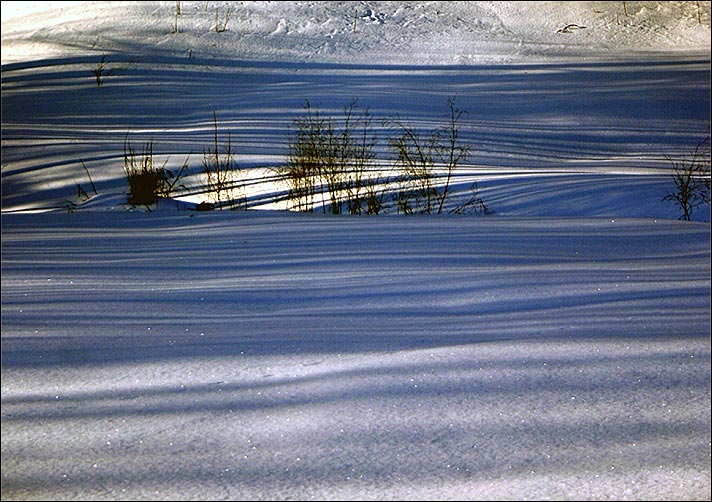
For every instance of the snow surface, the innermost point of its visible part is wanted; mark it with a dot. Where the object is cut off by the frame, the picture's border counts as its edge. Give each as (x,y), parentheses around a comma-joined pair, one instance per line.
(559,349)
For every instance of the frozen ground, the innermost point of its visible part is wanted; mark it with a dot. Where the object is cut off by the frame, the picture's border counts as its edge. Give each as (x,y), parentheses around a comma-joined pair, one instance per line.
(559,349)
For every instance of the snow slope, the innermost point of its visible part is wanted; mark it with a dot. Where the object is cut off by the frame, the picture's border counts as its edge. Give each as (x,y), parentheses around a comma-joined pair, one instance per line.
(272,355)
(559,349)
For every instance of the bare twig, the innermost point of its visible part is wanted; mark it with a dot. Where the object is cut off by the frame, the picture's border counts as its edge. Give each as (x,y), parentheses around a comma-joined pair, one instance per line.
(89,175)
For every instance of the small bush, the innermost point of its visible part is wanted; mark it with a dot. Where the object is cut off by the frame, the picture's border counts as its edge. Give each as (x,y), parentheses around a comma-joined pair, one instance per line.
(146,181)
(221,172)
(306,157)
(415,159)
(691,176)
(358,156)
(334,158)
(421,156)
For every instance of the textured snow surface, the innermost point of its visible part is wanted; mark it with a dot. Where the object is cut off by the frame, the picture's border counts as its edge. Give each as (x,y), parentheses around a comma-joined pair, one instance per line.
(586,116)
(274,355)
(376,32)
(559,349)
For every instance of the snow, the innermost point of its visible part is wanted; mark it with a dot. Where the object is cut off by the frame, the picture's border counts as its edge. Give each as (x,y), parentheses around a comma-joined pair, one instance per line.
(558,349)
